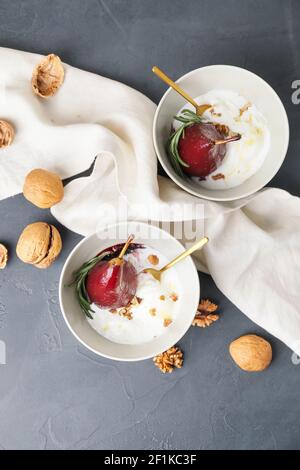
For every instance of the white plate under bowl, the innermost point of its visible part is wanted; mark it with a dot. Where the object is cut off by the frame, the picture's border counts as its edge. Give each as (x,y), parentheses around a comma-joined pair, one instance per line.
(255,90)
(150,236)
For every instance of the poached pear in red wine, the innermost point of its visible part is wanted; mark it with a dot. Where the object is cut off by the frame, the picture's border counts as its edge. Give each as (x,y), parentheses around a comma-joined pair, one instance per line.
(198,150)
(112,284)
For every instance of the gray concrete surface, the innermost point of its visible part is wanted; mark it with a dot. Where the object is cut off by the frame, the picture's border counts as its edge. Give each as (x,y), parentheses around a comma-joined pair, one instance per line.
(54,394)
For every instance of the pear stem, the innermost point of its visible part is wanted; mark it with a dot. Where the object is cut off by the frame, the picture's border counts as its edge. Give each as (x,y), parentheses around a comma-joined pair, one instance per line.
(126,245)
(233,138)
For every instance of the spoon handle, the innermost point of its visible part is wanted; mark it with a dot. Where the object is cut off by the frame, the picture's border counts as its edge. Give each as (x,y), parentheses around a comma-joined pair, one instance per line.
(199,244)
(173,85)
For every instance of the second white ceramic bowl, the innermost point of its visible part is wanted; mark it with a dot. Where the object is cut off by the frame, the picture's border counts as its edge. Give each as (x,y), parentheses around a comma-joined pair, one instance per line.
(148,235)
(255,90)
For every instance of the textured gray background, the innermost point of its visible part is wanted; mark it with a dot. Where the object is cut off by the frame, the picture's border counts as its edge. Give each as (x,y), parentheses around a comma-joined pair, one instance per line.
(54,394)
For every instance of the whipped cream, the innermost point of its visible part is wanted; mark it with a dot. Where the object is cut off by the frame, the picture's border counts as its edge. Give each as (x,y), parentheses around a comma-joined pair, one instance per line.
(158,307)
(244,157)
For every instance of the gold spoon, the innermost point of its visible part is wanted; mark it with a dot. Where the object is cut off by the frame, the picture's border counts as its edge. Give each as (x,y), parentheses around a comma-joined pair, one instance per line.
(156,273)
(200,109)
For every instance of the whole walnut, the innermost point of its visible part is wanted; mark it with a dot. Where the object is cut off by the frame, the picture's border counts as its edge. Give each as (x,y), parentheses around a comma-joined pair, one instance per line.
(43,188)
(251,353)
(39,244)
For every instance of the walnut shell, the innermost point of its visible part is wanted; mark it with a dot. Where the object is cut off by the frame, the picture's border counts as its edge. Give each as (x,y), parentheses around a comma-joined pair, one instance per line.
(39,244)
(48,76)
(43,188)
(3,256)
(7,133)
(251,353)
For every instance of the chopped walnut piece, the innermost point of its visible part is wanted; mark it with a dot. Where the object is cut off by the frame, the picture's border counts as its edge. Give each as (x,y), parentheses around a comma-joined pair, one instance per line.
(244,108)
(173,297)
(219,176)
(214,113)
(152,312)
(169,359)
(205,314)
(162,297)
(167,322)
(128,315)
(222,129)
(3,256)
(136,301)
(125,312)
(153,259)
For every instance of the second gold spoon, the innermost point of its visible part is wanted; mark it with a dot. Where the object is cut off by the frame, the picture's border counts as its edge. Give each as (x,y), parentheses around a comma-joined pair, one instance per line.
(156,273)
(200,109)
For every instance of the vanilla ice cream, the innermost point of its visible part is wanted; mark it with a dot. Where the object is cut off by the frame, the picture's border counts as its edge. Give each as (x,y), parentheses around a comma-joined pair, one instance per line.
(244,157)
(157,306)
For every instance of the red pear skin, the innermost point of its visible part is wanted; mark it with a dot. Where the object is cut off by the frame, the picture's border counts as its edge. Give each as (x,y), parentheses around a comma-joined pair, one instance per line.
(197,148)
(112,284)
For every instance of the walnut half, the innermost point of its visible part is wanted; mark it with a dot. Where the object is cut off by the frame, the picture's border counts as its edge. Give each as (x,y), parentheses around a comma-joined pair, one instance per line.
(205,315)
(3,256)
(48,76)
(169,359)
(7,133)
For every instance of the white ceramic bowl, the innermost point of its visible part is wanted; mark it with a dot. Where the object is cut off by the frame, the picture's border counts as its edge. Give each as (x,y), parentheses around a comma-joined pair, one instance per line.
(148,235)
(255,90)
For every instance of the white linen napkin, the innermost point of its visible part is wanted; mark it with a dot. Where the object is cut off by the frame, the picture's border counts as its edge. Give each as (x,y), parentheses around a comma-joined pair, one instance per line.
(254,249)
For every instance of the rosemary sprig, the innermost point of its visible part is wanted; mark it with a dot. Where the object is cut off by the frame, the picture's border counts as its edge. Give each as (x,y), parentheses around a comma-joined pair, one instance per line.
(187,118)
(79,281)
(81,274)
